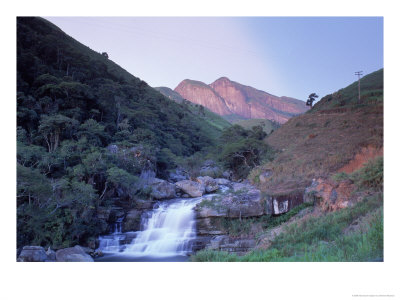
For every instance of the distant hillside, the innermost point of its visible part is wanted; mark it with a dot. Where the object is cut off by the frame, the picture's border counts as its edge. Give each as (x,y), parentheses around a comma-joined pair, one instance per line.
(267,125)
(371,87)
(336,134)
(171,94)
(236,101)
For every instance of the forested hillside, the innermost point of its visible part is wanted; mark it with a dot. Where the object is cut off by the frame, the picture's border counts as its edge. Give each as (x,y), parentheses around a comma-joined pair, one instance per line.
(86,131)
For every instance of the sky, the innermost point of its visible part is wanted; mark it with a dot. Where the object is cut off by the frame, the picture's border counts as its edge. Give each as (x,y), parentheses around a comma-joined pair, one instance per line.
(284,56)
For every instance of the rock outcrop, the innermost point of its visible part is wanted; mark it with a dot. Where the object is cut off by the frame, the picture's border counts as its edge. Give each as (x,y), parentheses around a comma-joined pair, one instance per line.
(201,93)
(73,254)
(279,204)
(331,195)
(240,201)
(229,244)
(33,254)
(132,220)
(210,184)
(192,188)
(178,174)
(226,97)
(162,189)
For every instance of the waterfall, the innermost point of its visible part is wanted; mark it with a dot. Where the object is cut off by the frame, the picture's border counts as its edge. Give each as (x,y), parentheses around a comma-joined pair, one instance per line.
(112,243)
(167,230)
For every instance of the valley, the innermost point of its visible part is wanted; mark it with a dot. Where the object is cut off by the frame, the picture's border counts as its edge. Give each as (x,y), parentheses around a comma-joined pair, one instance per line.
(111,169)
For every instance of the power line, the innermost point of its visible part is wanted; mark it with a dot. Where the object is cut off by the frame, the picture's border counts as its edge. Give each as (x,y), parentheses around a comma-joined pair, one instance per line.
(359,74)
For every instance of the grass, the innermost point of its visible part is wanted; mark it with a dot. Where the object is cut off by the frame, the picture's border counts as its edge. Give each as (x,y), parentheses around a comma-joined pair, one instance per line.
(321,239)
(267,125)
(303,153)
(370,176)
(371,94)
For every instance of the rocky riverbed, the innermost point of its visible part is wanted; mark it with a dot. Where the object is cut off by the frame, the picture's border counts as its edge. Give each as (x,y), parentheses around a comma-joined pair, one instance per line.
(220,200)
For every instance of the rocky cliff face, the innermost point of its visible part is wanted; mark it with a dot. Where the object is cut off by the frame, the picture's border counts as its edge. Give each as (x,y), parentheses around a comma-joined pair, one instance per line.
(200,93)
(226,97)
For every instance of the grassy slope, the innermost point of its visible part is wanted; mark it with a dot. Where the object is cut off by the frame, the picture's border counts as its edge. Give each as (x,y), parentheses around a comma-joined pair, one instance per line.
(351,234)
(326,138)
(267,125)
(322,238)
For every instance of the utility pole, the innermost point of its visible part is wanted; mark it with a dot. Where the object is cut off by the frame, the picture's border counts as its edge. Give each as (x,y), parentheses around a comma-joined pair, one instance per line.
(359,73)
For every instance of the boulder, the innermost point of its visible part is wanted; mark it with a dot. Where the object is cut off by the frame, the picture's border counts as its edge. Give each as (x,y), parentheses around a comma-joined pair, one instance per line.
(178,174)
(222,181)
(162,189)
(73,254)
(227,175)
(209,183)
(244,201)
(32,254)
(192,188)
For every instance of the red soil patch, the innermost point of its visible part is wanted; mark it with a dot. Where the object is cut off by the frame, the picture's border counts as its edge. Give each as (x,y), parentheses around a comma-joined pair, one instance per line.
(366,154)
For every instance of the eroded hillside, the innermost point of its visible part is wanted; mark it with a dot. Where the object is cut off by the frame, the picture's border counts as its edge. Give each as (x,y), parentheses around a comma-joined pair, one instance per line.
(327,138)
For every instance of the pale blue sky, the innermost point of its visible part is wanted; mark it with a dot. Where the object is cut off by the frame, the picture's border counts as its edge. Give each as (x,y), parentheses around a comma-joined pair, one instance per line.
(282,56)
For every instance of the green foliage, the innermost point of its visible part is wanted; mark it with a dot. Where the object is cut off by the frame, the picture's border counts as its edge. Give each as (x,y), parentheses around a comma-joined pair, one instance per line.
(120,178)
(32,186)
(267,125)
(72,103)
(241,149)
(340,176)
(93,131)
(371,175)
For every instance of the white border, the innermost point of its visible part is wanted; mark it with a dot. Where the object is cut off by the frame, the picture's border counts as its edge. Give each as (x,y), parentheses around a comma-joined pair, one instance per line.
(190,280)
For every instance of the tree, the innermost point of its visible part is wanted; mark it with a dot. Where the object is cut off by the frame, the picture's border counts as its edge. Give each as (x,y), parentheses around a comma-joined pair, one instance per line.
(311,99)
(242,149)
(93,131)
(52,126)
(104,54)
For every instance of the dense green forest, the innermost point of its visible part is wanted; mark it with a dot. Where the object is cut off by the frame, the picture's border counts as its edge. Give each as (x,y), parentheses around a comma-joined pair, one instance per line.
(86,130)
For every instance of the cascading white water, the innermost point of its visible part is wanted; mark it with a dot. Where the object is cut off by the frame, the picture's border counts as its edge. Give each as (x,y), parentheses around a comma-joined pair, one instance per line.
(167,230)
(111,243)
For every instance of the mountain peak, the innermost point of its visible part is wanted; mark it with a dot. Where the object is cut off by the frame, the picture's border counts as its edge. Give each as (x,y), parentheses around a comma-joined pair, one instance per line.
(223,78)
(200,93)
(227,97)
